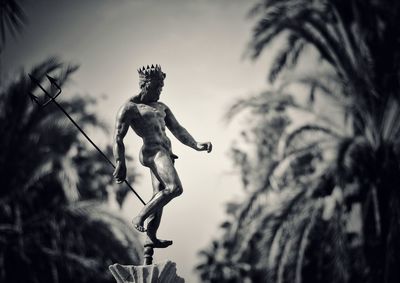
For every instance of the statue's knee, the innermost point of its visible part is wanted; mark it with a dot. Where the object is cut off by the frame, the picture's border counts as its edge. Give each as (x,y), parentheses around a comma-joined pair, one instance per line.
(178,191)
(174,191)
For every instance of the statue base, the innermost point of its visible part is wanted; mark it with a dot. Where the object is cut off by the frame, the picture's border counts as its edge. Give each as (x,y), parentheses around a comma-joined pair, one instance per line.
(164,272)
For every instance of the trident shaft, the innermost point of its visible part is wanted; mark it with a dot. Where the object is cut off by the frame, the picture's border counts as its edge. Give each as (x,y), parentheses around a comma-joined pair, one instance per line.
(53,82)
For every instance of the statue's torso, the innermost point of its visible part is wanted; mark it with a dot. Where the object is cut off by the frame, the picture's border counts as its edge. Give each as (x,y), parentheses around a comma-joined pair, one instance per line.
(149,123)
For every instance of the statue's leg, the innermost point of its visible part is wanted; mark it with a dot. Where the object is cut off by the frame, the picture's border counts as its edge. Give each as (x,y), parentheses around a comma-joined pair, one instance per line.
(153,221)
(163,169)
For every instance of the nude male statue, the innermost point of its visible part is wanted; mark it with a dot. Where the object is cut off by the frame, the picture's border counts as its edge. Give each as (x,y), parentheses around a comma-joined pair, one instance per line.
(148,118)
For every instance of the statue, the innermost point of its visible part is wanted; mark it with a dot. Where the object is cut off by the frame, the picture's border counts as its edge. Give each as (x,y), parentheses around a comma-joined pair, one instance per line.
(148,118)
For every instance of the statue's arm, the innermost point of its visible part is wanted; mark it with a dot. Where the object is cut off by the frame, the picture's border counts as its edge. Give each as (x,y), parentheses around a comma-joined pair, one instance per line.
(182,134)
(177,130)
(121,128)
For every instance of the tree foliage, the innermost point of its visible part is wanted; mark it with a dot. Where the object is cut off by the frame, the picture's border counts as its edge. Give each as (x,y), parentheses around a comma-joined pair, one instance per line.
(54,222)
(298,226)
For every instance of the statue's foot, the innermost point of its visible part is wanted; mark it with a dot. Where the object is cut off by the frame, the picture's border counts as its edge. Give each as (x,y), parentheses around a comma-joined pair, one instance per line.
(138,224)
(160,244)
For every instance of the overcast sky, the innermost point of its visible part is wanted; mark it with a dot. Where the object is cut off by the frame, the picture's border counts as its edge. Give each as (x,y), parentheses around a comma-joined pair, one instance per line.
(199,45)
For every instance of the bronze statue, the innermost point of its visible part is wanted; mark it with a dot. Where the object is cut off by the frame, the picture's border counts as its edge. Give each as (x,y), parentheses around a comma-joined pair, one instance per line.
(148,118)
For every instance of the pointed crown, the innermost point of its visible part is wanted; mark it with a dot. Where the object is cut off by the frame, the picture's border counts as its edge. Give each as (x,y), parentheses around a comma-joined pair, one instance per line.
(151,73)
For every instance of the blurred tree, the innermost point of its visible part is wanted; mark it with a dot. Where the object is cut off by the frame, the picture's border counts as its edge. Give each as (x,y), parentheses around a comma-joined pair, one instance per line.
(54,222)
(266,122)
(298,226)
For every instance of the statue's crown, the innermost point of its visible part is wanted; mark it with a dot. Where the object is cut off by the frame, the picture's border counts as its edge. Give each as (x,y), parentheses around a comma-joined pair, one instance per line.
(151,73)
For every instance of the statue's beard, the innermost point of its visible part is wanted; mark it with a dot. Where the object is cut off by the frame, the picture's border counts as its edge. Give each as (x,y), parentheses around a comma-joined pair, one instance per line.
(150,95)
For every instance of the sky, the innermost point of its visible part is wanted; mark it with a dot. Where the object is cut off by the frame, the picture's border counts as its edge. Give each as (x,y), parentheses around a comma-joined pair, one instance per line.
(200,46)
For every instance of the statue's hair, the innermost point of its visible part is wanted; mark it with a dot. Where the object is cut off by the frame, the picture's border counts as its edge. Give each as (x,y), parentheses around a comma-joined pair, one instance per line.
(146,76)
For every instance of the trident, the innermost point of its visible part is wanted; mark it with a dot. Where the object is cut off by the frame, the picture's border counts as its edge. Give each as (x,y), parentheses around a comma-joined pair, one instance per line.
(53,82)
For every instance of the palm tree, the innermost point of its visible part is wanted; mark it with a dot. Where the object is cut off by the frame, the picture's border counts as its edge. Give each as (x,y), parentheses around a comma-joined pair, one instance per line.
(257,218)
(350,37)
(54,222)
(297,227)
(356,39)
(266,124)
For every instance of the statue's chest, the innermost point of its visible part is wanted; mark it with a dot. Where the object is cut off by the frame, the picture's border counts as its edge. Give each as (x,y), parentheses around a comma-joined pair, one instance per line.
(152,113)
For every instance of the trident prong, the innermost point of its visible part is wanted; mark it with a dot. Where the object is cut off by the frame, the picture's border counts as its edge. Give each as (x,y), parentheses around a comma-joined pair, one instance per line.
(53,82)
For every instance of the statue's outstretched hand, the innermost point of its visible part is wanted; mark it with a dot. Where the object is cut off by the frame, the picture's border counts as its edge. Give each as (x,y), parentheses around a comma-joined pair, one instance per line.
(204,146)
(120,172)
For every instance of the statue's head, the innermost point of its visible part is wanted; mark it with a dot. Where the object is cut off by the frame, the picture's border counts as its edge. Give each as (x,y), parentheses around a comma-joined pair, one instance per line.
(151,82)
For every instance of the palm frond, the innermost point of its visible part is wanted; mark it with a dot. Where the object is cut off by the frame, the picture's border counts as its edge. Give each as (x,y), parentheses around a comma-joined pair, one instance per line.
(303,245)
(289,136)
(389,124)
(327,82)
(287,57)
(12,19)
(260,103)
(94,212)
(68,177)
(41,171)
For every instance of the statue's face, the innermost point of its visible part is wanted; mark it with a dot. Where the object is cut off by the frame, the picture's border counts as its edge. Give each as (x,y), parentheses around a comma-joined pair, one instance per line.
(153,91)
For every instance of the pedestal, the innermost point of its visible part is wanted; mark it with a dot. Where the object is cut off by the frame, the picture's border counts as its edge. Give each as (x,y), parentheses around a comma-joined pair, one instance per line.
(164,272)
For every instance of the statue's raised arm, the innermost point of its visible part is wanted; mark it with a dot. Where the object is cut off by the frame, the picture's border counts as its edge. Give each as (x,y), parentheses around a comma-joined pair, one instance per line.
(182,134)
